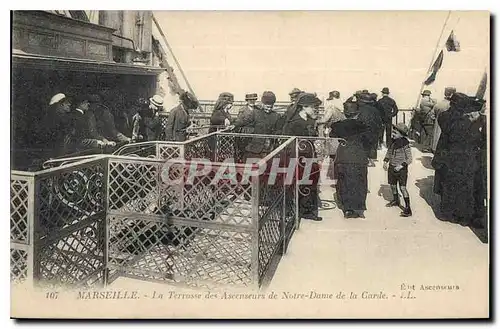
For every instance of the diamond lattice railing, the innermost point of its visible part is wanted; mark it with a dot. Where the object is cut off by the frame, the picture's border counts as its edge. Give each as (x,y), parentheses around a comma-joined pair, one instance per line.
(76,258)
(179,253)
(19,191)
(132,186)
(18,265)
(167,152)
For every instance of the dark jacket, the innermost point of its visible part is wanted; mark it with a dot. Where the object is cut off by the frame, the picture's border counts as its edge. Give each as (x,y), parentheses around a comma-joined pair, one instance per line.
(85,135)
(300,127)
(388,109)
(244,113)
(178,120)
(354,132)
(218,118)
(263,123)
(56,131)
(106,125)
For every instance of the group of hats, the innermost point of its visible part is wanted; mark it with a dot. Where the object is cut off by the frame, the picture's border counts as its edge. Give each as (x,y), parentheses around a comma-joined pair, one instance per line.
(156,100)
(268,97)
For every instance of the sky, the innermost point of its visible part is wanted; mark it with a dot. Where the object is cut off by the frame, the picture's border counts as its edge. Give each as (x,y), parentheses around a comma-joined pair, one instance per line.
(320,51)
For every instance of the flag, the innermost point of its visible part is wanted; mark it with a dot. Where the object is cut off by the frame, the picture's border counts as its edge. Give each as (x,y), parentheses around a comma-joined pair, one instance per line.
(481,89)
(452,43)
(435,68)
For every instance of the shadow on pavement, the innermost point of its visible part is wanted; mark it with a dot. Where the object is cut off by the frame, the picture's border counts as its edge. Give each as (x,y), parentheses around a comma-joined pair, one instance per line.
(385,192)
(426,161)
(425,186)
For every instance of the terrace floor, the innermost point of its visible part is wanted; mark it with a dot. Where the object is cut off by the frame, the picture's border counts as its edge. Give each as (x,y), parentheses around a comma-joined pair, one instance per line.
(382,254)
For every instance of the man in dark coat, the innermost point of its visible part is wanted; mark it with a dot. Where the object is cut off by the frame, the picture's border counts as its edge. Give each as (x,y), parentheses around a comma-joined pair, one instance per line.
(264,120)
(245,115)
(86,135)
(388,109)
(289,112)
(370,116)
(351,162)
(179,118)
(57,126)
(246,111)
(457,160)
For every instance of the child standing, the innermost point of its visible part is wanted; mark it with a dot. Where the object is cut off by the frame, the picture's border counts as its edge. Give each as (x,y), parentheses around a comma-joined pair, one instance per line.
(396,162)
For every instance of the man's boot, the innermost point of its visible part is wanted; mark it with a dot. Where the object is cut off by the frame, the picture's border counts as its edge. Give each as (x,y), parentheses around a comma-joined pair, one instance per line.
(394,202)
(407,211)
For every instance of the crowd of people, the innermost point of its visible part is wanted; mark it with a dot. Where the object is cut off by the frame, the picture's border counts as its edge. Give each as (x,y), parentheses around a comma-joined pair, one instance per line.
(453,128)
(73,125)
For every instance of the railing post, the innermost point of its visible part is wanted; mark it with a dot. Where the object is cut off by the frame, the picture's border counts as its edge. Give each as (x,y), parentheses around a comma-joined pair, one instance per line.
(31,229)
(297,180)
(34,262)
(105,225)
(255,231)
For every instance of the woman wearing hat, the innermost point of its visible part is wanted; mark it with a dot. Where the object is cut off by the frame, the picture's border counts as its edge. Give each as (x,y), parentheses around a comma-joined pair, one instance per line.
(220,115)
(351,161)
(439,108)
(303,123)
(457,161)
(370,116)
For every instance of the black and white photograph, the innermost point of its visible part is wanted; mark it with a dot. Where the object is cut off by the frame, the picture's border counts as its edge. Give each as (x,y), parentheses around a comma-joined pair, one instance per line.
(250,164)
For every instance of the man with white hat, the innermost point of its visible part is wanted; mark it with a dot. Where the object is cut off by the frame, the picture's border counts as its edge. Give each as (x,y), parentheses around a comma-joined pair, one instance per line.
(142,131)
(58,125)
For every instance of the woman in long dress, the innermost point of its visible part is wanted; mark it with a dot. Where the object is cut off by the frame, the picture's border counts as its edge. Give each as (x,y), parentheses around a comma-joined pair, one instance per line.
(351,163)
(303,123)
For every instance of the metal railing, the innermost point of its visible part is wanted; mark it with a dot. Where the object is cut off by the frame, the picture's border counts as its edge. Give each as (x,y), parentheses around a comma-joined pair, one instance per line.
(88,221)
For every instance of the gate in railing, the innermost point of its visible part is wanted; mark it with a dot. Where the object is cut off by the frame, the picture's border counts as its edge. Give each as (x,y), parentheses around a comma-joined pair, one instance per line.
(134,214)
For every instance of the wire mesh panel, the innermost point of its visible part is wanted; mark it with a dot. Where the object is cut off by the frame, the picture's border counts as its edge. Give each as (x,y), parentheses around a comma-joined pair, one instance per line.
(168,151)
(133,185)
(153,249)
(272,211)
(18,265)
(21,227)
(19,209)
(200,148)
(70,227)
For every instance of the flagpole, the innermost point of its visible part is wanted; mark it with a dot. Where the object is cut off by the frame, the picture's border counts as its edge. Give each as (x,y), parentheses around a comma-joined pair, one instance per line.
(433,57)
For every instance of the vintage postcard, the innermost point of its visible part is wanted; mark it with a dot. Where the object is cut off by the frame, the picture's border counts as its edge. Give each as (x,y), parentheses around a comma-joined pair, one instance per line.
(250,164)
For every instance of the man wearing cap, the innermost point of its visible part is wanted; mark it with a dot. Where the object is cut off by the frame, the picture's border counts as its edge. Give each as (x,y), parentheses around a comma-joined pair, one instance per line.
(58,125)
(388,109)
(91,118)
(179,118)
(289,112)
(245,115)
(264,120)
(440,107)
(86,134)
(351,162)
(425,118)
(370,116)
